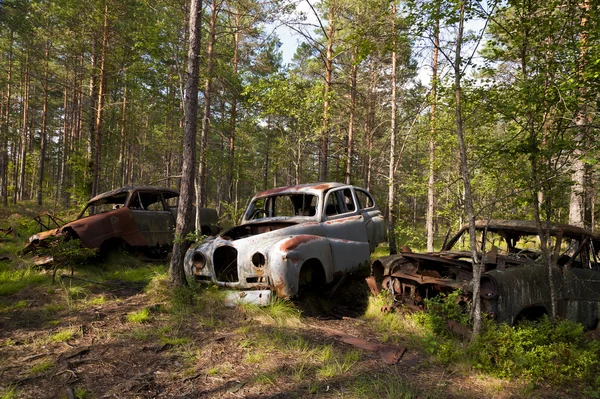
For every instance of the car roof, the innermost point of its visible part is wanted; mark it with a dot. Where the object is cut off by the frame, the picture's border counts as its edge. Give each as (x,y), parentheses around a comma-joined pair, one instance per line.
(530,226)
(309,188)
(129,189)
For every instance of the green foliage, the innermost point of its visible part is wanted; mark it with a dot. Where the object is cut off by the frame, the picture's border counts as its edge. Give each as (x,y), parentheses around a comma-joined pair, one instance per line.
(556,352)
(139,317)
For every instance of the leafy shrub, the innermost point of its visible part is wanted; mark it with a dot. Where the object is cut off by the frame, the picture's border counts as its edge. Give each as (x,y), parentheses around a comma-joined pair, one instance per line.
(556,352)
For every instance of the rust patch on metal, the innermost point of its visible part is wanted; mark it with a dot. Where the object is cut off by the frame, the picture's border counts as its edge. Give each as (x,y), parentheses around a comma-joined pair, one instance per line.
(295,242)
(372,285)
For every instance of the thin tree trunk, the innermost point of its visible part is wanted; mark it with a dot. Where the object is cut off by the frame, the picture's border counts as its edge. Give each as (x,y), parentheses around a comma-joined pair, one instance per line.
(431,180)
(349,153)
(201,180)
(233,118)
(391,181)
(466,176)
(25,132)
(577,205)
(5,130)
(184,223)
(43,133)
(328,76)
(100,106)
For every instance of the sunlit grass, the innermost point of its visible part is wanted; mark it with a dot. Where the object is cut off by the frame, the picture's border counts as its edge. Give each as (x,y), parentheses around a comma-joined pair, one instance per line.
(15,280)
(279,311)
(385,386)
(139,317)
(64,335)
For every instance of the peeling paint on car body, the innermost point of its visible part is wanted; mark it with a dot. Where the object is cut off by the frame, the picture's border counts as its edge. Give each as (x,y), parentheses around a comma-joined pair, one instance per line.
(514,282)
(291,236)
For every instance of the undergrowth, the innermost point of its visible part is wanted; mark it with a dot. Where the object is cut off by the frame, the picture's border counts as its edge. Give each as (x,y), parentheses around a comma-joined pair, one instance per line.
(555,352)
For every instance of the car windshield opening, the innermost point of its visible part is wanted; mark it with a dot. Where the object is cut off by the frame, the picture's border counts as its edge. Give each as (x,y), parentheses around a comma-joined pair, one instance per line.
(285,205)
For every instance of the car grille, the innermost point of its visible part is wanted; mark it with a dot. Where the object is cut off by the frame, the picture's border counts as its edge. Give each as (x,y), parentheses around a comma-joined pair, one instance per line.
(225,263)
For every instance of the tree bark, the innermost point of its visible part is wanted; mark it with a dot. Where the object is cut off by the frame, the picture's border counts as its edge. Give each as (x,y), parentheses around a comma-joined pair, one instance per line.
(5,131)
(201,180)
(233,116)
(324,153)
(433,95)
(43,133)
(578,176)
(462,147)
(184,223)
(100,106)
(25,132)
(391,182)
(349,153)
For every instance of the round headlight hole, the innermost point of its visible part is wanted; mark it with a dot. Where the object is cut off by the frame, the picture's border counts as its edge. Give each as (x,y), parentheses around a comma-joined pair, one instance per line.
(259,260)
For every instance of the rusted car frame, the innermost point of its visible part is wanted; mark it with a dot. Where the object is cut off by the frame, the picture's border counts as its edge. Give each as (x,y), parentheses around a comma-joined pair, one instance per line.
(515,280)
(290,238)
(137,217)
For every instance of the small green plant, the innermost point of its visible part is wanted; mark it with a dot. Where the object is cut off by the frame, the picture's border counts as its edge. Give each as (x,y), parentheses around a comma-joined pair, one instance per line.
(82,393)
(10,392)
(139,317)
(64,335)
(41,368)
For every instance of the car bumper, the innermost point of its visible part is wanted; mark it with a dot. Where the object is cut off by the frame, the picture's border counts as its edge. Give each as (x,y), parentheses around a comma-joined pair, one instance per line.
(254,297)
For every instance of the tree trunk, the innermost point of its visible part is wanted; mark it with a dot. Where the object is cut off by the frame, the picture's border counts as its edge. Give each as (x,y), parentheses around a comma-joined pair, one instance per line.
(431,180)
(391,182)
(349,153)
(578,176)
(323,161)
(186,192)
(5,131)
(201,180)
(43,133)
(462,147)
(100,106)
(25,132)
(233,116)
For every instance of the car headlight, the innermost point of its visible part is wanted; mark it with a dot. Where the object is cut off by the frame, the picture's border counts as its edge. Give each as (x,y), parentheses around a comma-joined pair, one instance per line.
(34,239)
(198,262)
(488,287)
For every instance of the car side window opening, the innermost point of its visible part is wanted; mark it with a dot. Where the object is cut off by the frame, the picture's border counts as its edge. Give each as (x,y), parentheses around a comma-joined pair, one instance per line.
(339,202)
(364,199)
(304,204)
(135,202)
(151,201)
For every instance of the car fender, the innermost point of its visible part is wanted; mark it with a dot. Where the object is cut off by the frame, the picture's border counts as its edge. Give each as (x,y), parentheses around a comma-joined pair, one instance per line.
(287,256)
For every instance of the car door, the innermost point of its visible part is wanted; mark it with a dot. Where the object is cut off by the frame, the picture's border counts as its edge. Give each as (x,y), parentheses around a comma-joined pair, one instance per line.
(153,218)
(345,226)
(373,217)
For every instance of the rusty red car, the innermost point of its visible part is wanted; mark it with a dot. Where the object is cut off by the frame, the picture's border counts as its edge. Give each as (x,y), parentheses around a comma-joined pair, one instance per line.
(290,238)
(136,217)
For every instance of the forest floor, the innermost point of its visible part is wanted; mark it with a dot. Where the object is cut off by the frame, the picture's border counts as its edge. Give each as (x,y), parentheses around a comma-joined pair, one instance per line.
(115,330)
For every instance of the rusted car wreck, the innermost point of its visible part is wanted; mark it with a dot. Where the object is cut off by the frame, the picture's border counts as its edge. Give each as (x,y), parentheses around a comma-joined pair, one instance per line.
(515,280)
(137,217)
(290,238)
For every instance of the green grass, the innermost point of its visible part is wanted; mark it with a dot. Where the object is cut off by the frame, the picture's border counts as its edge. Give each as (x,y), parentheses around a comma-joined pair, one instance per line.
(13,280)
(139,317)
(10,392)
(64,335)
(41,368)
(385,386)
